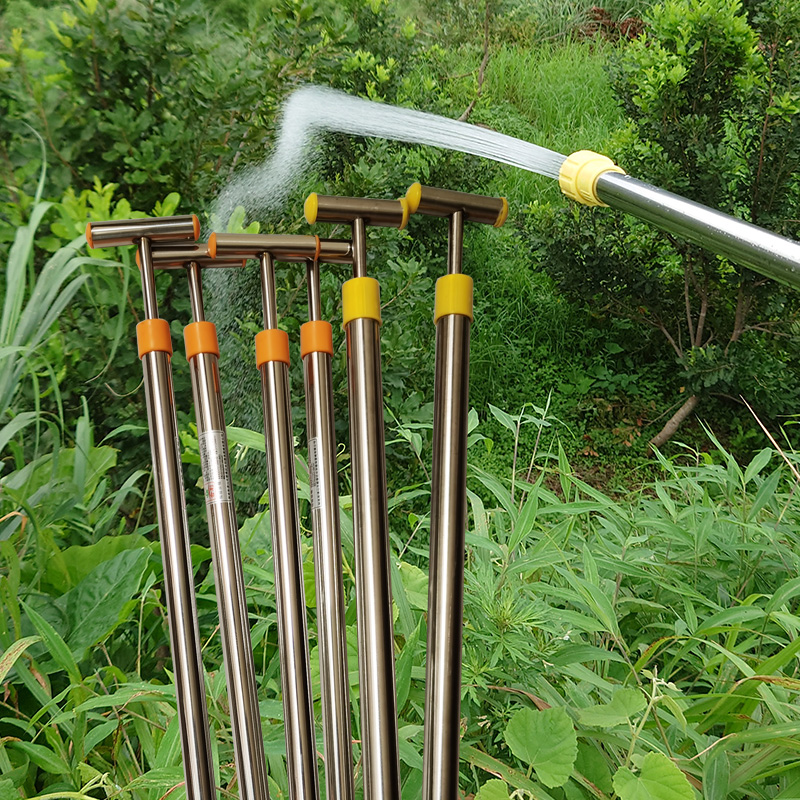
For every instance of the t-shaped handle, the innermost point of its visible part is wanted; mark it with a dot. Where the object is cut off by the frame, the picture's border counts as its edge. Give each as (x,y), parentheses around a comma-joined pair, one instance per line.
(445,202)
(178,256)
(120,232)
(289,248)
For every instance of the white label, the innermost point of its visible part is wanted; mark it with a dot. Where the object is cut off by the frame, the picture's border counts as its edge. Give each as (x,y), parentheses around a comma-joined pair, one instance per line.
(313,472)
(216,472)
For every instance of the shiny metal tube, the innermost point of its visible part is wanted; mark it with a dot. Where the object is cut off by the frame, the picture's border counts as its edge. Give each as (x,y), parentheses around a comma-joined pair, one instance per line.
(746,244)
(379,737)
(442,202)
(301,748)
(289,247)
(455,243)
(446,575)
(121,232)
(327,208)
(248,743)
(331,629)
(178,577)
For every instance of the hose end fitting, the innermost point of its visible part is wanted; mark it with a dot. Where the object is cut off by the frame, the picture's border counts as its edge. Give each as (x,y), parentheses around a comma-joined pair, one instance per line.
(579,173)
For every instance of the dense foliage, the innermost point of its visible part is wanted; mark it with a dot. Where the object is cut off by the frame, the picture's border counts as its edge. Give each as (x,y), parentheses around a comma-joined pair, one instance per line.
(620,641)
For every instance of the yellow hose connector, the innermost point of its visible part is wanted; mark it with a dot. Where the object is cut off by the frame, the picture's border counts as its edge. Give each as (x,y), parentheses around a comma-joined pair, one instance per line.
(579,173)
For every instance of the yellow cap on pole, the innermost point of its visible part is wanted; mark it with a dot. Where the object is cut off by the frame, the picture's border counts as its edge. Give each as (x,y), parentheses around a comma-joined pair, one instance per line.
(579,173)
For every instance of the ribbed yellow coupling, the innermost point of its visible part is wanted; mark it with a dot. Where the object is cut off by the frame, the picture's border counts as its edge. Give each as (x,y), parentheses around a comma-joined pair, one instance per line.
(579,173)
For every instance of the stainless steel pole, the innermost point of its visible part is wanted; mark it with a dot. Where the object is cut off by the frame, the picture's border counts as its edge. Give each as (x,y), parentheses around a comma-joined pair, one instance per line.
(379,735)
(362,319)
(316,346)
(272,349)
(453,319)
(765,252)
(202,353)
(155,350)
(447,540)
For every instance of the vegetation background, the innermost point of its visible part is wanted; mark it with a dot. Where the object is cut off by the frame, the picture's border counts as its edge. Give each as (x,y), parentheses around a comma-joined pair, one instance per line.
(630,618)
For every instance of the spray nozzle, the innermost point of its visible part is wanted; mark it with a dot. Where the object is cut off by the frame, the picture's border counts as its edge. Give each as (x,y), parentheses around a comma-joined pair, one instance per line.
(579,173)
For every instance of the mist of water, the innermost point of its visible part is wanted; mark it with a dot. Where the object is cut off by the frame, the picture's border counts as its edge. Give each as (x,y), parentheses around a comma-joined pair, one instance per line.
(313,109)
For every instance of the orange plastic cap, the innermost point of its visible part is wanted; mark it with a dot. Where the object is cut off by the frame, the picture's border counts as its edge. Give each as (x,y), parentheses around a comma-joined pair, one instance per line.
(212,245)
(152,335)
(196,223)
(200,337)
(272,345)
(316,336)
(89,235)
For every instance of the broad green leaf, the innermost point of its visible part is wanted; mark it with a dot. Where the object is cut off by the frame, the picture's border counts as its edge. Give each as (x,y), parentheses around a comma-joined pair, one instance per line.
(415,582)
(102,600)
(493,790)
(623,705)
(42,756)
(658,779)
(546,740)
(79,560)
(593,766)
(9,658)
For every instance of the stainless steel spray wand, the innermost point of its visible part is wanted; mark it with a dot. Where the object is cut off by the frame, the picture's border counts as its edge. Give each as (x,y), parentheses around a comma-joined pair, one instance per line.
(361,312)
(453,318)
(202,353)
(155,350)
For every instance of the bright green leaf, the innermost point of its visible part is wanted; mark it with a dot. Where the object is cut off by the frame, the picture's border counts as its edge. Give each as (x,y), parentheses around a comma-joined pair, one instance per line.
(493,790)
(658,779)
(623,705)
(546,740)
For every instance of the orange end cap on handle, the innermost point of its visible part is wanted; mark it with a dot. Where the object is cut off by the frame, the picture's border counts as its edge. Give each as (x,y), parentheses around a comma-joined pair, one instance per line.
(212,245)
(196,223)
(316,336)
(272,344)
(152,335)
(200,337)
(89,236)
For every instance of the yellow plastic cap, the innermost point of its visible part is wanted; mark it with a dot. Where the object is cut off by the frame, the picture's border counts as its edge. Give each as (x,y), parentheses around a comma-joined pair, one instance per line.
(406,212)
(361,299)
(579,173)
(503,215)
(413,196)
(311,207)
(453,296)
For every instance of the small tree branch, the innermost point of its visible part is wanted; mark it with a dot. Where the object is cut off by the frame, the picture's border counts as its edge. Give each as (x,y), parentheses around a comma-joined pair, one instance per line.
(484,61)
(673,423)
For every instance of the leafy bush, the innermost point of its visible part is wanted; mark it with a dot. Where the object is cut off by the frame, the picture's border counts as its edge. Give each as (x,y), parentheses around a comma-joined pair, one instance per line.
(708,96)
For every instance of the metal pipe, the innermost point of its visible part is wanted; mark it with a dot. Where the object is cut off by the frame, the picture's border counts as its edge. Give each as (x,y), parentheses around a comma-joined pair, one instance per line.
(178,576)
(746,244)
(248,744)
(301,749)
(379,736)
(446,567)
(455,242)
(331,628)
(453,319)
